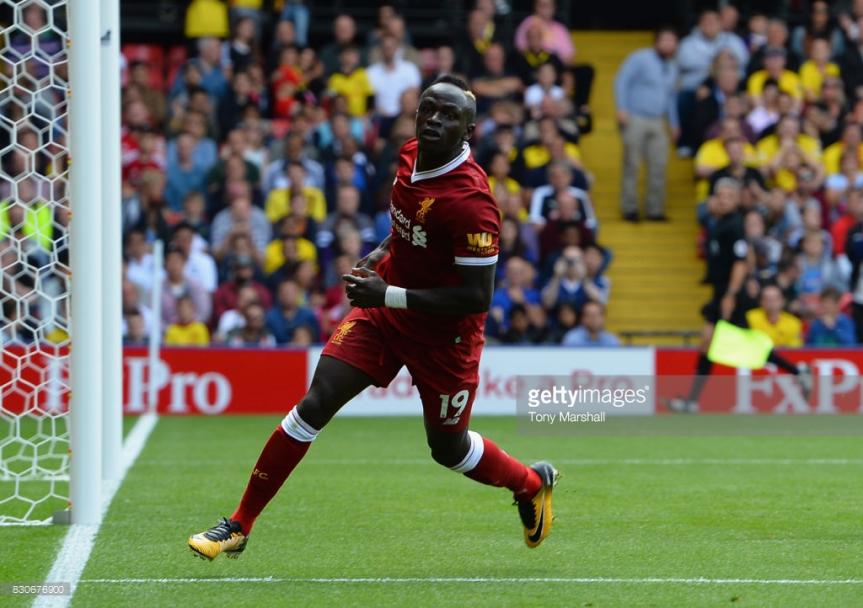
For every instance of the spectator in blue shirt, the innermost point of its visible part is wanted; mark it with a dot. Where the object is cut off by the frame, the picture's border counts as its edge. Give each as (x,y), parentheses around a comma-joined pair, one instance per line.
(591,331)
(209,65)
(184,175)
(831,328)
(516,288)
(570,284)
(287,314)
(644,91)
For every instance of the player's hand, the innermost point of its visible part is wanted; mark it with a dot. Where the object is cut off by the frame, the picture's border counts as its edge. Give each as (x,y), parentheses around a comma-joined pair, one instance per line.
(365,288)
(726,306)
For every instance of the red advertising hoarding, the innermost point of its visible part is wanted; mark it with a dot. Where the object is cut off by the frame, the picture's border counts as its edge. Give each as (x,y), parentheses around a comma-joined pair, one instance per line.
(216,381)
(836,372)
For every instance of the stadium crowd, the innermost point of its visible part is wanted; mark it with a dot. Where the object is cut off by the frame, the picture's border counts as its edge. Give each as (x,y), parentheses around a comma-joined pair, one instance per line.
(267,170)
(773,115)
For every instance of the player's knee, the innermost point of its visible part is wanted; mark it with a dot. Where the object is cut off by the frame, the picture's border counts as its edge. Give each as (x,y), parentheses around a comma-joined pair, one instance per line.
(448,450)
(315,406)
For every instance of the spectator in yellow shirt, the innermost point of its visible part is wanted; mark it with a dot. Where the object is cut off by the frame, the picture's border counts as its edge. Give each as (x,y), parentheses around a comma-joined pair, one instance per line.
(851,139)
(783,328)
(815,70)
(501,184)
(712,155)
(278,203)
(774,69)
(352,82)
(291,244)
(187,331)
(788,133)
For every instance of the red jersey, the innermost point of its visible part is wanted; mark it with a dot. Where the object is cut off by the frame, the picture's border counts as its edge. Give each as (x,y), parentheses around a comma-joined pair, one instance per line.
(440,219)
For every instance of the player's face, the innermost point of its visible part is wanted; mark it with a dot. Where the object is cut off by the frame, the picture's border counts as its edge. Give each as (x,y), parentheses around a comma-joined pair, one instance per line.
(442,119)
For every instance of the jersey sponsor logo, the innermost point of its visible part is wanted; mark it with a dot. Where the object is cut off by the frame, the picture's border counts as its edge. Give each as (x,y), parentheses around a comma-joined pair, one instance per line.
(400,222)
(479,239)
(342,331)
(425,205)
(420,237)
(480,243)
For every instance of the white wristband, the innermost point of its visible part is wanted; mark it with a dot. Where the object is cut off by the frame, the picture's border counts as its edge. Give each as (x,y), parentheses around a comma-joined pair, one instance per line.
(396,297)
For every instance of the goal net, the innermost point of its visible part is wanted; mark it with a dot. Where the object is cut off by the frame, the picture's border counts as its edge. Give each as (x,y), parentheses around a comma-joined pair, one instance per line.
(34,261)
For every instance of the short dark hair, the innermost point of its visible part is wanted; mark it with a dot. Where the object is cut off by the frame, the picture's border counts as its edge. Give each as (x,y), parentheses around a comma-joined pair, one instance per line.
(173,250)
(462,84)
(665,29)
(453,80)
(831,293)
(183,225)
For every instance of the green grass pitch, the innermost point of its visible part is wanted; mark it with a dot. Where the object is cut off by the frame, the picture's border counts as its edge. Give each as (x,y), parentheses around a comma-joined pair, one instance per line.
(646,500)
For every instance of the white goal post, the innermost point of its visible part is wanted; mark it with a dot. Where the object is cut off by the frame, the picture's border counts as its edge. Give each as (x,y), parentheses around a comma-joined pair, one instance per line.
(60,251)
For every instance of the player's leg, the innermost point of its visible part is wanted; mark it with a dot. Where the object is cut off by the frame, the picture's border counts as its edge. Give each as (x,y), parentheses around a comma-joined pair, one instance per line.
(354,358)
(481,459)
(334,384)
(447,380)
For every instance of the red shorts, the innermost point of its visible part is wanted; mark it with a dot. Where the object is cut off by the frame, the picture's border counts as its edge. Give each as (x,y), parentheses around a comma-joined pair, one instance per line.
(445,376)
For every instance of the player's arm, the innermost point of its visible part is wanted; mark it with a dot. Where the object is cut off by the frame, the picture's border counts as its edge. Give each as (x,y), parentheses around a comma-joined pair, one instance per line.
(472,296)
(376,255)
(475,231)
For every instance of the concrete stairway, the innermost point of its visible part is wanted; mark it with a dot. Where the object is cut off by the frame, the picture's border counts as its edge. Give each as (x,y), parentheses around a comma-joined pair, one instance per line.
(655,274)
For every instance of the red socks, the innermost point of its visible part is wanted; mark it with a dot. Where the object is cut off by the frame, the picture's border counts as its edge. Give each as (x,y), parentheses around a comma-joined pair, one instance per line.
(488,464)
(281,454)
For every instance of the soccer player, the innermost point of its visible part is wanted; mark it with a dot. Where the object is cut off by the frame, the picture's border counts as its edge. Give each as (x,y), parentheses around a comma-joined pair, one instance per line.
(420,300)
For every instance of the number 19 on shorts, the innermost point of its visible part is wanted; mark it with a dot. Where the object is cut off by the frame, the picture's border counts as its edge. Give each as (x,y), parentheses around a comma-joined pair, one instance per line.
(454,406)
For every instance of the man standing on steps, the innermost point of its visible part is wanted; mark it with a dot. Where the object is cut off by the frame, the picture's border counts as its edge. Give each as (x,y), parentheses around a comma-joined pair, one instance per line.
(644,91)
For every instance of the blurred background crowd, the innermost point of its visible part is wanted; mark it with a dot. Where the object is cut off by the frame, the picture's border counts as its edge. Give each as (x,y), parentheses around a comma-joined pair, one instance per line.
(264,159)
(778,108)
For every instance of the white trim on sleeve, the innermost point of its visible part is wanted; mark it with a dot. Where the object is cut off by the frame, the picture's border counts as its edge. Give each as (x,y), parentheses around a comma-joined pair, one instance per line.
(462,261)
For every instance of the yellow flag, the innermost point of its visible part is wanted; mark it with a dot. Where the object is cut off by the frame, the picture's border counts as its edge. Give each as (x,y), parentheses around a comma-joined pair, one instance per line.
(738,347)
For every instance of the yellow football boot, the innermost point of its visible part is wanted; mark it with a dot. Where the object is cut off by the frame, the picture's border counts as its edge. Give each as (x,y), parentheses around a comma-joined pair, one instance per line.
(536,515)
(225,537)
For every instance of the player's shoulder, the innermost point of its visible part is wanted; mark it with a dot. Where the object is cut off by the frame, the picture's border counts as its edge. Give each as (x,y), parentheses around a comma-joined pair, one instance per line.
(467,179)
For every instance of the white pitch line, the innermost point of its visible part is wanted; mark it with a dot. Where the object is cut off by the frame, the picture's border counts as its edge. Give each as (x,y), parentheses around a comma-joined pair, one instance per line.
(565,461)
(79,540)
(482,580)
(627,461)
